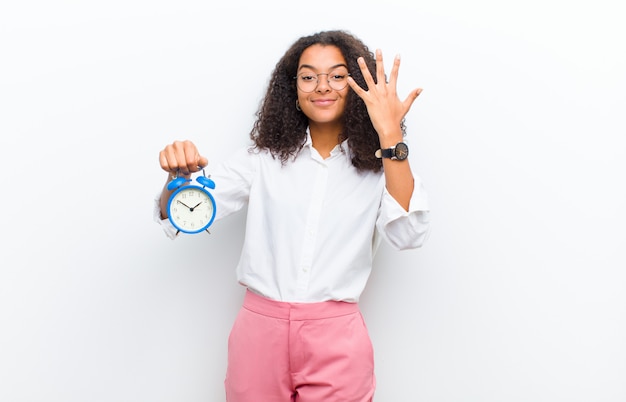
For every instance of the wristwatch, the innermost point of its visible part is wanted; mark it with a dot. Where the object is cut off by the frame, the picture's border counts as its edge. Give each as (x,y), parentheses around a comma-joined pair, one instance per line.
(399,152)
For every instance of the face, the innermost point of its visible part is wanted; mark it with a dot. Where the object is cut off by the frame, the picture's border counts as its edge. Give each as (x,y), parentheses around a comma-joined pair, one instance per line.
(326,102)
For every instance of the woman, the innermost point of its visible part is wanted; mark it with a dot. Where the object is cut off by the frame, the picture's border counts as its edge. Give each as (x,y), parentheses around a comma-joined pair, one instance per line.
(325,179)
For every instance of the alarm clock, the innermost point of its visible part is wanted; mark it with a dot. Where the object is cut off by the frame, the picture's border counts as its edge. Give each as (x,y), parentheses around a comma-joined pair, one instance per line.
(191,208)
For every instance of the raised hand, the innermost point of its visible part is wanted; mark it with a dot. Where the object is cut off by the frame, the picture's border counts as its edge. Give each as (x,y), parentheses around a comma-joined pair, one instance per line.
(385,108)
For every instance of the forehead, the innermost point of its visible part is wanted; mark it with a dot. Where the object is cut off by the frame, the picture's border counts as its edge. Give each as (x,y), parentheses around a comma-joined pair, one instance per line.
(319,57)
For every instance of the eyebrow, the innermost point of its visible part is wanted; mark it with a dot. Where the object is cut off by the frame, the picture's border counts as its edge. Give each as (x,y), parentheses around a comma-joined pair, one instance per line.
(313,68)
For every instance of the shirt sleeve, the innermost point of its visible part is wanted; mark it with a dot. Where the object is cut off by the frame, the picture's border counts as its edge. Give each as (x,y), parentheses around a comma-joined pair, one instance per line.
(233,179)
(405,229)
(166,225)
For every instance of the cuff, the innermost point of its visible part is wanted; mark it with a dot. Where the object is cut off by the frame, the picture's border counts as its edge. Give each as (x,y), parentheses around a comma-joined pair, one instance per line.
(166,225)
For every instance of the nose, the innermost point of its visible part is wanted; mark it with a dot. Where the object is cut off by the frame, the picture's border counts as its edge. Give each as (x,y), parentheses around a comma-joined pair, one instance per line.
(322,84)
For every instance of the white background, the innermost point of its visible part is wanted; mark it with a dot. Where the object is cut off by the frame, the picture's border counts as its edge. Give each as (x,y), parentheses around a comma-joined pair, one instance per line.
(519,294)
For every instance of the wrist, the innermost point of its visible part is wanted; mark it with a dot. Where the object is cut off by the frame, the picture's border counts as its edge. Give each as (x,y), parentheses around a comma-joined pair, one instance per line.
(390,138)
(398,151)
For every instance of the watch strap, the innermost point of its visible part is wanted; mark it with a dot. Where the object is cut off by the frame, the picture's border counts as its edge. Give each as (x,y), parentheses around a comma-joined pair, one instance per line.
(384,153)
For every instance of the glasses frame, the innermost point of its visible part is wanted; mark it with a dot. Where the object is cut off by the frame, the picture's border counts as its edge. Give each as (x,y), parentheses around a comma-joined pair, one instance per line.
(317,77)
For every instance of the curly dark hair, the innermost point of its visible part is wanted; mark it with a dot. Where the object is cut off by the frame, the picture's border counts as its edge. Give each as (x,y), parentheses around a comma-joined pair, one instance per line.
(281,128)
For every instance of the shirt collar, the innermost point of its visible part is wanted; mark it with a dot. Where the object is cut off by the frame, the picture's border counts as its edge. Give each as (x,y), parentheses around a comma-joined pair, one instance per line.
(341,148)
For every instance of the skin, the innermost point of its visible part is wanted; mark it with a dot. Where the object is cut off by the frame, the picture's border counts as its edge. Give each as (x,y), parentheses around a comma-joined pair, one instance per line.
(324,108)
(386,111)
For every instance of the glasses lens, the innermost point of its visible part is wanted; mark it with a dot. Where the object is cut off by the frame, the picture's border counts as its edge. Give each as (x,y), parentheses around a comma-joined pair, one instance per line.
(307,82)
(336,79)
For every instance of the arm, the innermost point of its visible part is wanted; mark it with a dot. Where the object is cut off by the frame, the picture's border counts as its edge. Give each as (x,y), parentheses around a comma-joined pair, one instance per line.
(398,176)
(387,111)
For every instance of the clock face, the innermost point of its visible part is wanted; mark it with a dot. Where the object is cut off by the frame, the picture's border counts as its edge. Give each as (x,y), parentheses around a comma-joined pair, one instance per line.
(402,151)
(191,209)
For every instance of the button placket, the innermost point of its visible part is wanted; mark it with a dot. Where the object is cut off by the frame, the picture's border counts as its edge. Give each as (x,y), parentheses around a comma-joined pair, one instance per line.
(314,213)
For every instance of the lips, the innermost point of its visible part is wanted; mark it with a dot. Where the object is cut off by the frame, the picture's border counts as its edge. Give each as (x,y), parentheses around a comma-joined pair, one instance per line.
(324,102)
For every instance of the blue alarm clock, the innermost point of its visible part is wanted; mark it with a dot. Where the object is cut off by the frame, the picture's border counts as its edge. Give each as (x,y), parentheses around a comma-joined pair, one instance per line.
(191,208)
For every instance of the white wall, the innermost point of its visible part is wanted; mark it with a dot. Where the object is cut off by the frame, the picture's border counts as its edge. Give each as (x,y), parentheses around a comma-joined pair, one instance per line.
(517,296)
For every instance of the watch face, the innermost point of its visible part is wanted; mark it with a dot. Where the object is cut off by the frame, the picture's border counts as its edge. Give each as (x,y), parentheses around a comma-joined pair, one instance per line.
(401,151)
(191,209)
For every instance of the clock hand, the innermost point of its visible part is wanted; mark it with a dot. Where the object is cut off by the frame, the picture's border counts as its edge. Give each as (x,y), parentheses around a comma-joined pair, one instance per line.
(180,202)
(195,206)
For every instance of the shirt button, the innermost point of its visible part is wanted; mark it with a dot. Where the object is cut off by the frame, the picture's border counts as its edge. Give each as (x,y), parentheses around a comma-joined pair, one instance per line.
(305,269)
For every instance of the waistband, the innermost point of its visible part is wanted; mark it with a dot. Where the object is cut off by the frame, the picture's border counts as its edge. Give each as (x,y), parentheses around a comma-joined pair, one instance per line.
(297,311)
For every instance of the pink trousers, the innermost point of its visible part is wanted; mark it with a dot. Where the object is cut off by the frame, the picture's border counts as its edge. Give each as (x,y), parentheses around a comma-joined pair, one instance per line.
(299,352)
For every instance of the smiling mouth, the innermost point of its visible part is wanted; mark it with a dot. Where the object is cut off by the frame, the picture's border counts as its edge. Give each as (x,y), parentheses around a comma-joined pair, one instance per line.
(323,102)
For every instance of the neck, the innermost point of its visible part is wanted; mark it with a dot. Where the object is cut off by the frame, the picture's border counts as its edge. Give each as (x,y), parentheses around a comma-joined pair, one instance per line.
(324,138)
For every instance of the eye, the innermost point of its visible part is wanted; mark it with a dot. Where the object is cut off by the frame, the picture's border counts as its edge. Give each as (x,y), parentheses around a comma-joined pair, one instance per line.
(307,77)
(337,76)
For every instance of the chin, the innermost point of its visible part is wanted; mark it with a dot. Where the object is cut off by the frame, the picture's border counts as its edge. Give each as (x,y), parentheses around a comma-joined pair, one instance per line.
(324,117)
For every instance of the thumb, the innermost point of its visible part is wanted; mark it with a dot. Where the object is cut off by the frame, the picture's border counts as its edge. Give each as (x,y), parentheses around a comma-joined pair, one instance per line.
(202,161)
(408,102)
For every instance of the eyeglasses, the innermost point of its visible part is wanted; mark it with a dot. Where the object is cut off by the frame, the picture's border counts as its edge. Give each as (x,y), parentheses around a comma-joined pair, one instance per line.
(308,81)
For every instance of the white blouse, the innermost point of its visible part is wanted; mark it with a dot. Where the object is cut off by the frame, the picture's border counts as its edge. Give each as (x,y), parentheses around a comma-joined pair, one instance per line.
(313,224)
